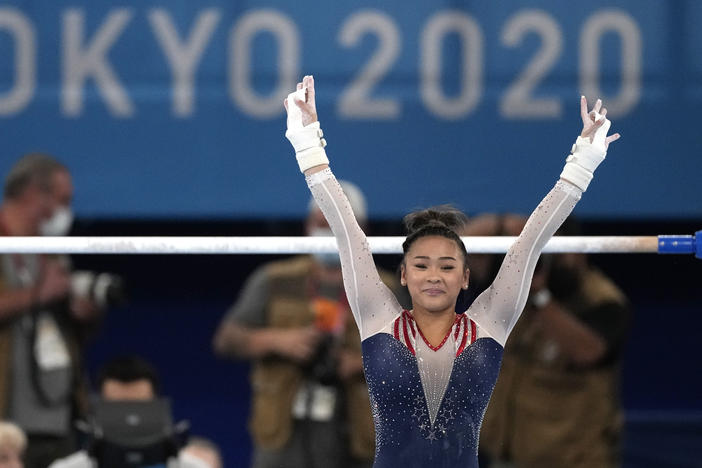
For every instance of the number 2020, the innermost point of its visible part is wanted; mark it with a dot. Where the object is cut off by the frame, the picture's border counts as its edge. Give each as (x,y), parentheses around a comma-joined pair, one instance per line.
(518,101)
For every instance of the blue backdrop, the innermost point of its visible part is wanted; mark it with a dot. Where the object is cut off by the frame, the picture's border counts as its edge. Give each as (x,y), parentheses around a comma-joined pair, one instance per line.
(173,108)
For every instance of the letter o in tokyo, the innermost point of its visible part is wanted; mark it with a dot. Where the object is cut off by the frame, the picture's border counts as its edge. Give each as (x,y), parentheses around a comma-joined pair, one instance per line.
(240,82)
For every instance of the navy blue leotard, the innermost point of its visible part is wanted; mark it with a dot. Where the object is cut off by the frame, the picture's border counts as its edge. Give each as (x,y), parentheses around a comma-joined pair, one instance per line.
(428,402)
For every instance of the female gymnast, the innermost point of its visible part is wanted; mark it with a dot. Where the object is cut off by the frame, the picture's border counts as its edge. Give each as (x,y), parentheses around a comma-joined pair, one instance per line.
(430,371)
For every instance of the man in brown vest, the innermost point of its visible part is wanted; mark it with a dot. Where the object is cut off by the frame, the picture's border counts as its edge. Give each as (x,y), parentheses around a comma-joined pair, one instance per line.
(556,401)
(310,405)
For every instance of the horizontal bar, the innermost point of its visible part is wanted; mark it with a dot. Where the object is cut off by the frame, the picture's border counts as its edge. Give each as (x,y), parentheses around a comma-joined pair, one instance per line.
(297,245)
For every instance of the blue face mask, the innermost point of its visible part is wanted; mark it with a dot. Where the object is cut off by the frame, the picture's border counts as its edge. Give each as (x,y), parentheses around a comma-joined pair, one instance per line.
(331,259)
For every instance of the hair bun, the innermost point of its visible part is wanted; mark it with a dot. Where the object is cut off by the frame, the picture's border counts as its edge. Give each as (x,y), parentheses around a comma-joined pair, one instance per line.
(443,216)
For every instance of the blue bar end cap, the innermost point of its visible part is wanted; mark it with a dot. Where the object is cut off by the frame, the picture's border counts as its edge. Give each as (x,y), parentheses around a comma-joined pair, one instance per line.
(679,244)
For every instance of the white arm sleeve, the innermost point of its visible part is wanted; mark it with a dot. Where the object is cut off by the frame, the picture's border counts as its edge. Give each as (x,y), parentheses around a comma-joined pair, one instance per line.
(373,304)
(497,309)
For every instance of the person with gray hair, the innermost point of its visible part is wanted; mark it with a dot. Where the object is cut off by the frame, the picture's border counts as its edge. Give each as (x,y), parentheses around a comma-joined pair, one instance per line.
(41,322)
(28,188)
(310,405)
(13,442)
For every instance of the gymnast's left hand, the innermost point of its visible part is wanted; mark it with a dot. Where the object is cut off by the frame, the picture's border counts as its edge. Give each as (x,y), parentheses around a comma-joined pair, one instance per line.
(591,146)
(308,107)
(596,125)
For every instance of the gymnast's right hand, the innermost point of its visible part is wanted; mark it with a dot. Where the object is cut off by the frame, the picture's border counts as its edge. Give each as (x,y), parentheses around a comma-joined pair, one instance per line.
(301,105)
(304,132)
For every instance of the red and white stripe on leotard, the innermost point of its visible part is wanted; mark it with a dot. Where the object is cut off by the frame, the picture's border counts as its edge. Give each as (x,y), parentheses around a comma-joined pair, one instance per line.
(405,330)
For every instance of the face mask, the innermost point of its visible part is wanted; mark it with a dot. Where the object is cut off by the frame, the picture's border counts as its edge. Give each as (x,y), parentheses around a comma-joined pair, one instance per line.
(58,224)
(329,260)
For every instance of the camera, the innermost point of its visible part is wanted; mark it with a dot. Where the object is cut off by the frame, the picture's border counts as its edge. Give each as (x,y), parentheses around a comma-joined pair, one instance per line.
(104,289)
(323,366)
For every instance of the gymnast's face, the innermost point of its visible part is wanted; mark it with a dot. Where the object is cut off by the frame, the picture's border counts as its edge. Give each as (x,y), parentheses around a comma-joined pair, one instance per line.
(434,272)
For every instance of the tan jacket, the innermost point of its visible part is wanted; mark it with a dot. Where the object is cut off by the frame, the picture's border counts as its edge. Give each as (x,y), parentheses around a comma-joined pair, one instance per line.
(544,413)
(275,382)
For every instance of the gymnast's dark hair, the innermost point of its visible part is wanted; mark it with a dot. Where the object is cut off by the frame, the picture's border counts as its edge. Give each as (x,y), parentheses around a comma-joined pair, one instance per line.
(444,221)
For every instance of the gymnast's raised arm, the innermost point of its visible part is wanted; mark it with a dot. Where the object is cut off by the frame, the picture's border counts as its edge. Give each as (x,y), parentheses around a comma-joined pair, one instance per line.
(498,307)
(372,303)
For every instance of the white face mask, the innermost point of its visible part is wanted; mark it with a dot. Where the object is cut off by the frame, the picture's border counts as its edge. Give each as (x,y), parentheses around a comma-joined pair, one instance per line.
(58,224)
(329,260)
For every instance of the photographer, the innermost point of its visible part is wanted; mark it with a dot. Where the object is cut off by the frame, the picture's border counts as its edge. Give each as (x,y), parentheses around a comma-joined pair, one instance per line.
(42,324)
(310,403)
(556,401)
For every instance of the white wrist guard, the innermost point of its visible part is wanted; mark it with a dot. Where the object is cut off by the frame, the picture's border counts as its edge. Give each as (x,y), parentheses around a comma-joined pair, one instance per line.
(307,140)
(309,146)
(585,156)
(582,162)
